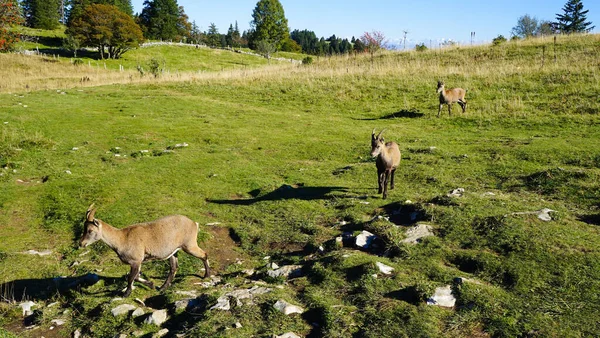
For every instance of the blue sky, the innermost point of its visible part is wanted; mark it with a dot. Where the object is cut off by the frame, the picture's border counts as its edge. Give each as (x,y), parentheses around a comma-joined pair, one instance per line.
(424,20)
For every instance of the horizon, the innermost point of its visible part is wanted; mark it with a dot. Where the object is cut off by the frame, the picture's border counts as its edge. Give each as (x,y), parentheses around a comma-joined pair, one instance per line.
(422,24)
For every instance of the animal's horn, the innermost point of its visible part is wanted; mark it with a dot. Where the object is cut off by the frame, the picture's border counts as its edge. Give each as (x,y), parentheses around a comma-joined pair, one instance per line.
(381,132)
(373,134)
(90,213)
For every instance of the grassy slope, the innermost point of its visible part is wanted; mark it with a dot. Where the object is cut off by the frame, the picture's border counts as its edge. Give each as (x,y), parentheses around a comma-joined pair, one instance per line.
(264,158)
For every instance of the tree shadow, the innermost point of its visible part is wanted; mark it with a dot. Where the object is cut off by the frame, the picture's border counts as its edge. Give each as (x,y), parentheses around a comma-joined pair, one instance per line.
(404,113)
(297,191)
(44,288)
(590,219)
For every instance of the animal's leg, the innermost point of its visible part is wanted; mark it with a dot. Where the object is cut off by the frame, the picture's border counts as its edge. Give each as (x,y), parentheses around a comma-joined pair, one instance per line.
(194,250)
(386,178)
(173,263)
(449,109)
(380,178)
(464,106)
(392,179)
(133,274)
(143,281)
(440,110)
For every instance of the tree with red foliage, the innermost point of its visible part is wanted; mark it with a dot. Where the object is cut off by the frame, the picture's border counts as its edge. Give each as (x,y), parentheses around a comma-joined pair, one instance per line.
(373,41)
(10,15)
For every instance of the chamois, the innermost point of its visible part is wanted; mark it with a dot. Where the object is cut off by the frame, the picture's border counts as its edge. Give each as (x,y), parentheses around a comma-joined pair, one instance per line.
(388,159)
(159,239)
(450,96)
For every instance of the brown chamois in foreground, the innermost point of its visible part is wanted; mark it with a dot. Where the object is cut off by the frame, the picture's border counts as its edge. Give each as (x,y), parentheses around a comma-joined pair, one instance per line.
(159,239)
(450,96)
(388,159)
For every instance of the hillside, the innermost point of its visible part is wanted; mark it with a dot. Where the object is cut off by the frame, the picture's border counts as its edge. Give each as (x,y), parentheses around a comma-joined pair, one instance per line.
(277,168)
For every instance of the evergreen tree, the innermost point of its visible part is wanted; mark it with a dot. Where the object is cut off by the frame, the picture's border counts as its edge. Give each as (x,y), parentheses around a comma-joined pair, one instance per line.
(213,38)
(161,18)
(573,19)
(43,14)
(229,36)
(269,24)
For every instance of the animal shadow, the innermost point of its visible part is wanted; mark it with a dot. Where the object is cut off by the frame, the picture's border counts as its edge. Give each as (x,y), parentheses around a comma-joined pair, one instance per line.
(285,192)
(404,113)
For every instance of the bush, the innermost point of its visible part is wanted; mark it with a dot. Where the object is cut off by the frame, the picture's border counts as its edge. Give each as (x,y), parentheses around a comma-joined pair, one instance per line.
(307,60)
(498,40)
(421,47)
(155,67)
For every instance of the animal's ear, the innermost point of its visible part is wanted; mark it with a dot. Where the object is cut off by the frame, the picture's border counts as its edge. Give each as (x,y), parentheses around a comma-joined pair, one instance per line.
(96,223)
(89,214)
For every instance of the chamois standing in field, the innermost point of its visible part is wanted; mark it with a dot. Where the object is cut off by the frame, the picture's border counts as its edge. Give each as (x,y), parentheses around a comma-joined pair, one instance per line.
(159,239)
(388,159)
(450,96)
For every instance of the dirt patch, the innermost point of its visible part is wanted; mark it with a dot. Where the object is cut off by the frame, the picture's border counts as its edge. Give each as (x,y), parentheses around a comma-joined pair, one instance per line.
(222,249)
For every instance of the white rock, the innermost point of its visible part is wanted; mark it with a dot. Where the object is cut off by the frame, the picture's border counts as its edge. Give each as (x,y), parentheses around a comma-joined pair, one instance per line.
(442,297)
(58,322)
(364,239)
(213,224)
(458,192)
(76,334)
(222,304)
(122,309)
(288,271)
(237,325)
(68,172)
(26,306)
(385,269)
(416,233)
(288,335)
(287,308)
(212,282)
(157,318)
(248,272)
(543,214)
(160,333)
(273,266)
(138,312)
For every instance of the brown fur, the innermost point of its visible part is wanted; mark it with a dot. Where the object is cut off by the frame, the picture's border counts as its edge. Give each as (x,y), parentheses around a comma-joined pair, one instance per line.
(388,158)
(450,96)
(159,239)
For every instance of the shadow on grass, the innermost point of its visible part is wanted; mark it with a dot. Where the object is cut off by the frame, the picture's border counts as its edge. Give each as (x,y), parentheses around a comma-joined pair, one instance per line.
(590,219)
(298,191)
(404,113)
(44,288)
(401,213)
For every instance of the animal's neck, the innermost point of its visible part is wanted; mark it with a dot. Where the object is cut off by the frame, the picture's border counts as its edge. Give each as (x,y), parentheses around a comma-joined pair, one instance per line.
(111,235)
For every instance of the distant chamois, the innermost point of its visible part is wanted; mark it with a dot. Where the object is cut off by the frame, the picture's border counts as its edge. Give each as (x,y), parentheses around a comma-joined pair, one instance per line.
(450,96)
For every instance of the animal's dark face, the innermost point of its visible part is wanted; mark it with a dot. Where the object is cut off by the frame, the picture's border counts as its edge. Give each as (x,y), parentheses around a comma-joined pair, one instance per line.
(440,86)
(377,144)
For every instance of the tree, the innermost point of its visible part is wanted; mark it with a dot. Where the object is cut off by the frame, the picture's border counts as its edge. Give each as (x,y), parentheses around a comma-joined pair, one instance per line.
(265,48)
(184,27)
(10,15)
(77,6)
(43,14)
(213,38)
(545,28)
(373,41)
(573,19)
(269,23)
(526,26)
(160,18)
(107,28)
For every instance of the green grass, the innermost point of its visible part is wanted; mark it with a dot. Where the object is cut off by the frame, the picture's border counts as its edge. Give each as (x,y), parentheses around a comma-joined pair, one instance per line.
(281,160)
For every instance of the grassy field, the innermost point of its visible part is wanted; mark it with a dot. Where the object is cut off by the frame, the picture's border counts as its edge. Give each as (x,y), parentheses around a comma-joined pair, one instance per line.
(278,164)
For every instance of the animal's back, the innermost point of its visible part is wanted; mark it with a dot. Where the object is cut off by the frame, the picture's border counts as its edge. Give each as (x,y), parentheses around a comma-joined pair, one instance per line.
(163,236)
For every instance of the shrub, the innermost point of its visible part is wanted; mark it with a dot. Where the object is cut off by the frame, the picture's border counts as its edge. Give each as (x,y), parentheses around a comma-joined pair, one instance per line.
(498,40)
(421,47)
(307,60)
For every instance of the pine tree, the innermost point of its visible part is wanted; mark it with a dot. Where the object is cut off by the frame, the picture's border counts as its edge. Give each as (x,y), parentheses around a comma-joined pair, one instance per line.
(160,17)
(573,19)
(269,24)
(43,14)
(213,38)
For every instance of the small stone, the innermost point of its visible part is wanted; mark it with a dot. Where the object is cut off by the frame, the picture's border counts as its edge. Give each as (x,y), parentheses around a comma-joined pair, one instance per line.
(160,333)
(68,172)
(287,308)
(76,334)
(288,335)
(442,297)
(222,304)
(237,325)
(138,312)
(157,318)
(58,322)
(248,272)
(416,233)
(122,309)
(385,269)
(213,224)
(35,252)
(364,239)
(288,271)
(458,192)
(273,266)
